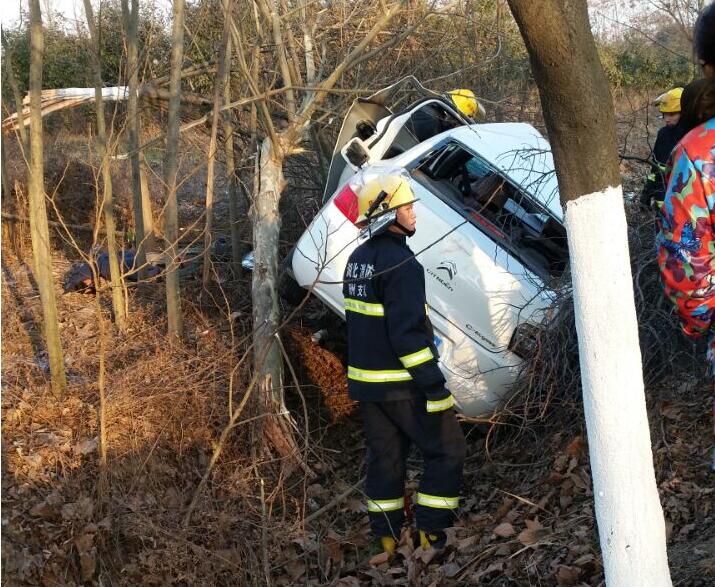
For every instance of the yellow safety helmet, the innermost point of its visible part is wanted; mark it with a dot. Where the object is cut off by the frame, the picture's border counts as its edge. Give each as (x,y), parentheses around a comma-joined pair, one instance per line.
(669,101)
(467,103)
(383,194)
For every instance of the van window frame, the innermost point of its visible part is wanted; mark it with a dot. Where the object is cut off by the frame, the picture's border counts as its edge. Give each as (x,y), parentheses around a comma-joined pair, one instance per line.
(505,243)
(412,108)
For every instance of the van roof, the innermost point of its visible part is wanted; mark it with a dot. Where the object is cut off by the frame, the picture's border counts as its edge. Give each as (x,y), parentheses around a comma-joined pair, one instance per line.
(519,151)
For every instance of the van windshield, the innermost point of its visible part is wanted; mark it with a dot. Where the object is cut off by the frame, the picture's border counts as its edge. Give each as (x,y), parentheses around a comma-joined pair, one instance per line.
(497,207)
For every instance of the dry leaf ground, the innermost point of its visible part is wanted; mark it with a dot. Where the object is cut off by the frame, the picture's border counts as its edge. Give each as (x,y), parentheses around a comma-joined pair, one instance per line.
(527,514)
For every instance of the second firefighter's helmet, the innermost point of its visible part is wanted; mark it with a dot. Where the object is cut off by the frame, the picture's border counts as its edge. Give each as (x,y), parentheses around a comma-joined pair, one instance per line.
(467,103)
(669,102)
(383,194)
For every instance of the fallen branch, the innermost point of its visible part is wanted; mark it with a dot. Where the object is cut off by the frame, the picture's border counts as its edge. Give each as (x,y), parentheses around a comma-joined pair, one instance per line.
(330,505)
(81,227)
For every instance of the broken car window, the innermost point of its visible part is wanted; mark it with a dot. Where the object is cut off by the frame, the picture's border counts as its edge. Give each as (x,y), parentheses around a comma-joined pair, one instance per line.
(497,207)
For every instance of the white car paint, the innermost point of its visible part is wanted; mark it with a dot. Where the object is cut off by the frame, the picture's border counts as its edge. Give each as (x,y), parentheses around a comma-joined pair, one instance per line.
(476,291)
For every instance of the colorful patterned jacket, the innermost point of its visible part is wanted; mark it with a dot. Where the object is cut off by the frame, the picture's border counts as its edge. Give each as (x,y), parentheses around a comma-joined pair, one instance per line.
(686,243)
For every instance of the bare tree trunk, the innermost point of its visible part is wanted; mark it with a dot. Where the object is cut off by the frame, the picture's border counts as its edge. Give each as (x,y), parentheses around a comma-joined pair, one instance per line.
(310,78)
(215,118)
(6,188)
(101,389)
(266,221)
(148,217)
(268,362)
(579,116)
(251,76)
(270,12)
(308,47)
(22,131)
(171,212)
(131,20)
(8,67)
(115,271)
(277,430)
(266,227)
(233,191)
(292,51)
(39,230)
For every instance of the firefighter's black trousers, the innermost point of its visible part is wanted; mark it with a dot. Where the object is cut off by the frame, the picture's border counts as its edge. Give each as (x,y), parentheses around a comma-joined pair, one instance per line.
(391,427)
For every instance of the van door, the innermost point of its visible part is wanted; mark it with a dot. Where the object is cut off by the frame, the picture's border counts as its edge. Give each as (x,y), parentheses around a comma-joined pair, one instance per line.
(471,281)
(372,120)
(359,122)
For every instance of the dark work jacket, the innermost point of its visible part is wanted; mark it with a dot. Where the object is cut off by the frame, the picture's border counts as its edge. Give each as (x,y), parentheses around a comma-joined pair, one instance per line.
(391,352)
(665,141)
(429,121)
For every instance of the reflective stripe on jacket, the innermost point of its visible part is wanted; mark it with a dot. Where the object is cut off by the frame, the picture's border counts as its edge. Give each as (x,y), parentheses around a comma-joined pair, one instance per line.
(391,354)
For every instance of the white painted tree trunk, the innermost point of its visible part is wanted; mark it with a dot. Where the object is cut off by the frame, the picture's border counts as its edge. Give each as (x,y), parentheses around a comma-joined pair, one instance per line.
(628,510)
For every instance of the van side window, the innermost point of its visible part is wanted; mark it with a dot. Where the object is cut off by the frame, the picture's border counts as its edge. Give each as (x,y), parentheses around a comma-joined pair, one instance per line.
(428,120)
(507,214)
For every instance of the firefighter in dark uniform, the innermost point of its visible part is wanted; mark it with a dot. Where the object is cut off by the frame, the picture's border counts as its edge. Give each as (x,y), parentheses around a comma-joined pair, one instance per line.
(668,136)
(431,119)
(393,371)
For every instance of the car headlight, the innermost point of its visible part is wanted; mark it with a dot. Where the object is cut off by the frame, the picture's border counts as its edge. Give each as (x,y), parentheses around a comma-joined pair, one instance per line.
(525,340)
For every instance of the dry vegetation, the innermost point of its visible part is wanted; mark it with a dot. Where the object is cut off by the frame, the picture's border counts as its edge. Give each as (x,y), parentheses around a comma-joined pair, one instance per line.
(527,517)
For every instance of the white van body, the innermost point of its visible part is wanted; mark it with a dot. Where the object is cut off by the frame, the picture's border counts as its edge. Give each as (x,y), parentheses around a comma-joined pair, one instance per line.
(480,286)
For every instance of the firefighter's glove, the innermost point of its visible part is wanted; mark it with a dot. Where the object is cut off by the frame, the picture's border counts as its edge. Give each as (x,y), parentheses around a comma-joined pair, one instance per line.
(439,401)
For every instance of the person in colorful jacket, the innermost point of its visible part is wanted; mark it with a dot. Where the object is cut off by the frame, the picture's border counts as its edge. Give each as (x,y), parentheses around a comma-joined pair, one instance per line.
(686,242)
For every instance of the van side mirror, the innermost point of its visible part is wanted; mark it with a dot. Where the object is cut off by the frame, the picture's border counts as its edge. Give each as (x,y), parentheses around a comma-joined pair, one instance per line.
(355,153)
(365,129)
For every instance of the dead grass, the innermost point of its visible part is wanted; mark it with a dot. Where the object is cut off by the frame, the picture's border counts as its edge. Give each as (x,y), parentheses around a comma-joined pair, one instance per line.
(166,406)
(324,370)
(527,516)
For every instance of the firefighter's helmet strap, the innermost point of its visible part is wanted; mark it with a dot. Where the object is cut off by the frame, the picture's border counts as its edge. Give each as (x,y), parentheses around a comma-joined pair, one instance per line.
(403,229)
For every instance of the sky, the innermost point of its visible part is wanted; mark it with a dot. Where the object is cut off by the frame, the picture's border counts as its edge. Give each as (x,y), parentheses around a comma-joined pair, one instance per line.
(70,9)
(607,15)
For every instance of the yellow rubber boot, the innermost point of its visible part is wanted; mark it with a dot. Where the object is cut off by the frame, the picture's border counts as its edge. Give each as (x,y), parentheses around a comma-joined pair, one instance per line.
(388,545)
(432,540)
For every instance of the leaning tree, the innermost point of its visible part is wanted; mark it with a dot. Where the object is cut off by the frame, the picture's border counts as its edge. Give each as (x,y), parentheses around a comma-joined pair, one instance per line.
(39,228)
(578,112)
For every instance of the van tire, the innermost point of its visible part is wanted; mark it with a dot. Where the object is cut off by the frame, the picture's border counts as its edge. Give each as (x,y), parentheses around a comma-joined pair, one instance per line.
(289,289)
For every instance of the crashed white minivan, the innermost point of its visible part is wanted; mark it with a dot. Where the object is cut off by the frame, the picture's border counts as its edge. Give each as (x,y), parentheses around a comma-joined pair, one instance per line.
(489,234)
